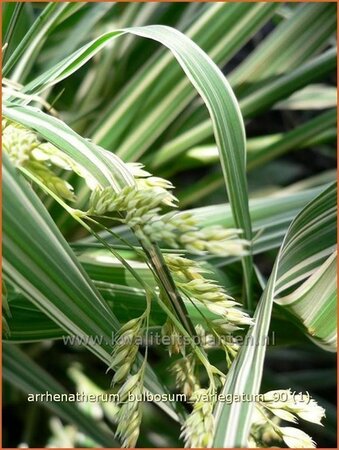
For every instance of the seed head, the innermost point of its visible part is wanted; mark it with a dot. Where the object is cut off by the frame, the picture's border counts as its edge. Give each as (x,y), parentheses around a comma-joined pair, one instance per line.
(283,405)
(291,406)
(295,438)
(185,376)
(215,240)
(126,349)
(176,342)
(26,150)
(189,278)
(198,429)
(129,415)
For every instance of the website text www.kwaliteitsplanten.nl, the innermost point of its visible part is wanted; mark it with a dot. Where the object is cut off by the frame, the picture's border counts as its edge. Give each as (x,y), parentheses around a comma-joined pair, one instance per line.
(153,339)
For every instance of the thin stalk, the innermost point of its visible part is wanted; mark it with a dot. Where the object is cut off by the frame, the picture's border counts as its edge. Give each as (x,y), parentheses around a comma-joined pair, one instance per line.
(14,19)
(151,250)
(200,352)
(166,280)
(159,267)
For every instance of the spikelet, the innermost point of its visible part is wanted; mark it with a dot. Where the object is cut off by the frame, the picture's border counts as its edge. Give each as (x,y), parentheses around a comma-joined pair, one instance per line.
(191,282)
(295,438)
(184,268)
(198,429)
(126,349)
(176,344)
(26,150)
(18,142)
(185,377)
(284,405)
(142,205)
(215,240)
(181,230)
(129,415)
(54,183)
(291,406)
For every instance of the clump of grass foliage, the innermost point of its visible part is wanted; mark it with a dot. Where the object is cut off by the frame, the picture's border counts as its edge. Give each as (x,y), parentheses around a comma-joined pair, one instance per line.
(168,171)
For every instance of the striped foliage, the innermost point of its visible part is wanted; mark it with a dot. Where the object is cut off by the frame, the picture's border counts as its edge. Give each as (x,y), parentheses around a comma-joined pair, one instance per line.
(178,101)
(301,257)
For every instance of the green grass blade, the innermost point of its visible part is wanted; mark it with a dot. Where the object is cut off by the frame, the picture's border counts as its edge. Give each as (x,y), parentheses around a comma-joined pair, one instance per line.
(79,32)
(156,118)
(269,94)
(314,303)
(294,139)
(319,130)
(24,21)
(171,101)
(306,280)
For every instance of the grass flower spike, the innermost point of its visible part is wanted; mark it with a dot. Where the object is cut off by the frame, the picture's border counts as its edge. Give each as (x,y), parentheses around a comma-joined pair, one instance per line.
(26,150)
(189,278)
(129,415)
(215,240)
(284,405)
(199,427)
(294,405)
(295,438)
(142,205)
(186,379)
(126,349)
